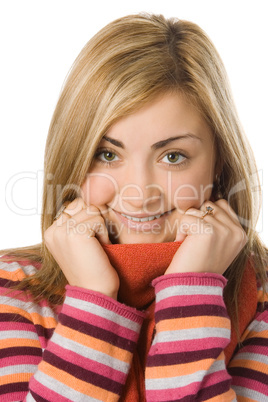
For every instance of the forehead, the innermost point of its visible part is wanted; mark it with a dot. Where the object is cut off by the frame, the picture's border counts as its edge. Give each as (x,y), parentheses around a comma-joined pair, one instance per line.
(168,115)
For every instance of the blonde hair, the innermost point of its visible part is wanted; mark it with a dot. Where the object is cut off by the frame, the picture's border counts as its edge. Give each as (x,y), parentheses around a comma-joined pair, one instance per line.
(124,66)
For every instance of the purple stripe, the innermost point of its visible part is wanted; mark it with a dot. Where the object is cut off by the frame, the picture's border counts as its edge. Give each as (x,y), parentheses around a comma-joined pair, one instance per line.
(20,351)
(256,342)
(44,332)
(13,387)
(249,373)
(38,398)
(97,332)
(182,357)
(9,317)
(4,283)
(191,311)
(82,374)
(261,307)
(17,318)
(213,390)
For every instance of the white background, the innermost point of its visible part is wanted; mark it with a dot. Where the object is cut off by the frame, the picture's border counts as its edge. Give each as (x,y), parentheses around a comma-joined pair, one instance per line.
(40,40)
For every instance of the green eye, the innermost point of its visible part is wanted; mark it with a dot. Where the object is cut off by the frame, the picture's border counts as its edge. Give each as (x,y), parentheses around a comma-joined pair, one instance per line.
(173,158)
(108,156)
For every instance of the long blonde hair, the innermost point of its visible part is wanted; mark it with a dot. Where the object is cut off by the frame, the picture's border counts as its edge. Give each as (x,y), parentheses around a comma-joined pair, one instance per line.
(124,66)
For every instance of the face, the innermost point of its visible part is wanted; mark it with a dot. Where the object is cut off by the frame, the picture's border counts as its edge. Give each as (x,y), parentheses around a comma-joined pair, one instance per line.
(150,167)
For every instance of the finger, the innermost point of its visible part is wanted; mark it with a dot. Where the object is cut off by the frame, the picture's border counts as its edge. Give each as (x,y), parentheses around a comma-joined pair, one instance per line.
(101,233)
(223,204)
(90,220)
(86,213)
(192,225)
(67,210)
(194,212)
(75,206)
(221,211)
(61,217)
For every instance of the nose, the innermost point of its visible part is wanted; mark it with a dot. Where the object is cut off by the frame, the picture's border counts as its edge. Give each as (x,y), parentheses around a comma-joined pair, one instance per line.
(141,194)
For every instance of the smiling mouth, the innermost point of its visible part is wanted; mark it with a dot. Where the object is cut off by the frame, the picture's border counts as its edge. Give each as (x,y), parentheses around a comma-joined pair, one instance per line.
(145,219)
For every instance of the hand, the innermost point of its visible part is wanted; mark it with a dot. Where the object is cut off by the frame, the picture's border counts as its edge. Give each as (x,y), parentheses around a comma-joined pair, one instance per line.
(210,244)
(74,240)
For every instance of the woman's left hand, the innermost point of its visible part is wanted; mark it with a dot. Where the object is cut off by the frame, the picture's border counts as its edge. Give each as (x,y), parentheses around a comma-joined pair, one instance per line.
(209,243)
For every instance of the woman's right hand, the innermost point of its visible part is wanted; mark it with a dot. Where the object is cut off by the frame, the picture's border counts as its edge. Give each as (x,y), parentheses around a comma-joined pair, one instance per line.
(82,258)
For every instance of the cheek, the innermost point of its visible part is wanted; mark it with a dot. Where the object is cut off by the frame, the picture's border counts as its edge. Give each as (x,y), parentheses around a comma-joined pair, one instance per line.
(191,190)
(99,189)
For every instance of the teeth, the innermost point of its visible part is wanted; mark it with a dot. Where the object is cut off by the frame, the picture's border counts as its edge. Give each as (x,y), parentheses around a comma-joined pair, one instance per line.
(147,219)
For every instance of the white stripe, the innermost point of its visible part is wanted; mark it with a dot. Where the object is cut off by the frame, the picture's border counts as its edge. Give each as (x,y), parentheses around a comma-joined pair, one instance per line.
(182,380)
(18,335)
(188,291)
(90,353)
(191,334)
(250,356)
(102,312)
(29,307)
(62,389)
(257,326)
(18,368)
(249,393)
(14,266)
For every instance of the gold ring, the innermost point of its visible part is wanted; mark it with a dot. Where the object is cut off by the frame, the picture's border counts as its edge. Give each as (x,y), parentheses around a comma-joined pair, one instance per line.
(209,211)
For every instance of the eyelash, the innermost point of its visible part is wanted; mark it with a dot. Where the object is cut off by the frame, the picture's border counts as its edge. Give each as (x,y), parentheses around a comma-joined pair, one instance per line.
(179,164)
(103,151)
(109,163)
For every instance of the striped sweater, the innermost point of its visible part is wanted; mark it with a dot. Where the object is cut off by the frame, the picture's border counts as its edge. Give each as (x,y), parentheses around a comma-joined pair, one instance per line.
(83,350)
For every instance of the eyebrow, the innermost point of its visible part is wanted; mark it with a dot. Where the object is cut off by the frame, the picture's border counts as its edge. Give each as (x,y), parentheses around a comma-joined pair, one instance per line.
(157,145)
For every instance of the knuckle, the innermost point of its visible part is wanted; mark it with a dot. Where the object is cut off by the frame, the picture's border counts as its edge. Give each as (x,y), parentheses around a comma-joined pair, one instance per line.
(92,211)
(221,203)
(75,206)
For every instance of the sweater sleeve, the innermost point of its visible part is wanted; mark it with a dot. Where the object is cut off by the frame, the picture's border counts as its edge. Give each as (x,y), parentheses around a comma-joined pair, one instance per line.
(186,360)
(87,357)
(249,366)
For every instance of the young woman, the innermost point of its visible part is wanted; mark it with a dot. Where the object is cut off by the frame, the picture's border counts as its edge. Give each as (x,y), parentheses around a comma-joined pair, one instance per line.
(150,280)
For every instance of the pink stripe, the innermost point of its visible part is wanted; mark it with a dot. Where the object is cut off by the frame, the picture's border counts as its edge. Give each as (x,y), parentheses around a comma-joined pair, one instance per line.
(172,394)
(87,363)
(191,280)
(20,360)
(16,326)
(14,396)
(45,392)
(10,293)
(261,317)
(105,302)
(104,323)
(192,300)
(215,378)
(247,383)
(19,295)
(253,349)
(191,345)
